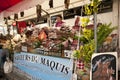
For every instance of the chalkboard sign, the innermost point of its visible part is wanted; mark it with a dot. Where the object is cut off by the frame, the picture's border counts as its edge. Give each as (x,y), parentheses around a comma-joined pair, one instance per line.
(104,66)
(105,6)
(69,13)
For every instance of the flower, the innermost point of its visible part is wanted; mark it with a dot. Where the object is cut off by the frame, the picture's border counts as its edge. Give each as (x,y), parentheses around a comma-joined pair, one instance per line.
(84,21)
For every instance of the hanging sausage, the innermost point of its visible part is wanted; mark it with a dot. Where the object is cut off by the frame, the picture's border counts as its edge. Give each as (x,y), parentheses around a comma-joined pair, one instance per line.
(22,14)
(51,3)
(67,2)
(38,11)
(15,16)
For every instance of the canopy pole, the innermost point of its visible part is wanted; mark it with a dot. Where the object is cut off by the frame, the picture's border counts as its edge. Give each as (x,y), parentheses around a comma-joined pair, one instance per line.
(79,31)
(95,31)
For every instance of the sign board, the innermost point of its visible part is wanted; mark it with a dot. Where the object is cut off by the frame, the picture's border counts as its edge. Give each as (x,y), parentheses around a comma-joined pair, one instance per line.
(41,51)
(24,48)
(40,67)
(104,7)
(104,66)
(68,53)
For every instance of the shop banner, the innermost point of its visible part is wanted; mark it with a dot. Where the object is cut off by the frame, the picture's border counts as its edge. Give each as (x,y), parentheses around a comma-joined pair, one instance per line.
(40,67)
(104,66)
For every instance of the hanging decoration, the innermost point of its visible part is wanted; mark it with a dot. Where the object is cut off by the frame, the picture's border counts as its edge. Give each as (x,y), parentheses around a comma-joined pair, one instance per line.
(38,11)
(15,16)
(8,17)
(67,2)
(51,3)
(22,14)
(5,19)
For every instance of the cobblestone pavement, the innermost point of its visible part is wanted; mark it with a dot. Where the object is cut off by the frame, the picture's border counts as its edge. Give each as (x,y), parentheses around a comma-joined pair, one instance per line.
(11,76)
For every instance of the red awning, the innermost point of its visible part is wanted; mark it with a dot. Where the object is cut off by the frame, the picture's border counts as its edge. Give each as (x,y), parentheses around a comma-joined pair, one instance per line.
(5,4)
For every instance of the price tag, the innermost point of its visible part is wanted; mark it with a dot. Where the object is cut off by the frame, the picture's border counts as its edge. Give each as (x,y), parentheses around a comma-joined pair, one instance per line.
(68,53)
(24,48)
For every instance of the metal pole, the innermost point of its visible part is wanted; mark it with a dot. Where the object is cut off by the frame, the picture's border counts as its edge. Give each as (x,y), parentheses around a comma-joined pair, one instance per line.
(78,46)
(95,31)
(118,23)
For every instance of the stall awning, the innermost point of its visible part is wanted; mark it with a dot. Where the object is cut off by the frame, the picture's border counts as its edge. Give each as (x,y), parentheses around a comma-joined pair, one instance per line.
(5,4)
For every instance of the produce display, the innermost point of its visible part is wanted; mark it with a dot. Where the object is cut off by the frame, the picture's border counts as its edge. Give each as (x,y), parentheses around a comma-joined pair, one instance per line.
(76,42)
(55,40)
(52,40)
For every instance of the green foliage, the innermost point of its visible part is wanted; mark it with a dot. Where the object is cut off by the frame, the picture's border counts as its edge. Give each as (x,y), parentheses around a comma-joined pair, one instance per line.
(77,54)
(84,21)
(102,32)
(87,35)
(95,4)
(37,44)
(87,49)
(85,52)
(92,7)
(87,9)
(75,37)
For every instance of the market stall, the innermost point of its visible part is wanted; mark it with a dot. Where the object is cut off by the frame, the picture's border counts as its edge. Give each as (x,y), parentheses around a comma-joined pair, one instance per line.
(58,48)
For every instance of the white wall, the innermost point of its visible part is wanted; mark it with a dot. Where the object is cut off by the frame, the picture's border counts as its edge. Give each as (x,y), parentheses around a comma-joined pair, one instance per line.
(70,22)
(103,18)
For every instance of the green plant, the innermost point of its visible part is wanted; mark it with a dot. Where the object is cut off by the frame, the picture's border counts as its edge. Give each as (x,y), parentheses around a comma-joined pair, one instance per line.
(102,32)
(87,49)
(85,52)
(92,7)
(37,44)
(87,36)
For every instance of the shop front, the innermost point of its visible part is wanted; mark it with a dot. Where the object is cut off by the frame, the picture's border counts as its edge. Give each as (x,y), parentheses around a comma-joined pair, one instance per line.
(58,44)
(40,67)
